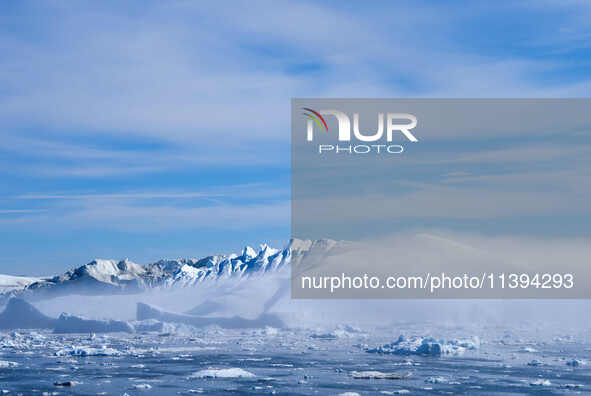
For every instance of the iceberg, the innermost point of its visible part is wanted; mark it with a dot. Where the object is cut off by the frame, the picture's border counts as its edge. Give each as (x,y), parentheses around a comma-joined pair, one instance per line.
(76,324)
(19,314)
(223,373)
(540,382)
(7,364)
(426,346)
(84,351)
(145,311)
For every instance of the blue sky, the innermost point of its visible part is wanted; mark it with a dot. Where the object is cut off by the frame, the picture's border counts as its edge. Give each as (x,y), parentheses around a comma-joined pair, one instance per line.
(161,129)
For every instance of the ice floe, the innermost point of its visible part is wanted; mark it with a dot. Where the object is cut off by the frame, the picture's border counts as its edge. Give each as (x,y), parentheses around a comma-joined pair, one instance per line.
(378,375)
(234,372)
(540,382)
(437,380)
(7,364)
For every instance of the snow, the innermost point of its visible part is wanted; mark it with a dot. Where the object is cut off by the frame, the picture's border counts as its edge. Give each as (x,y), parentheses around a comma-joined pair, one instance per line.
(108,270)
(77,324)
(427,346)
(9,283)
(107,276)
(223,373)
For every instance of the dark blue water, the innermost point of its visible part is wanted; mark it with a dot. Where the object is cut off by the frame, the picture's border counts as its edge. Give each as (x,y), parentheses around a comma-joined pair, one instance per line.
(281,362)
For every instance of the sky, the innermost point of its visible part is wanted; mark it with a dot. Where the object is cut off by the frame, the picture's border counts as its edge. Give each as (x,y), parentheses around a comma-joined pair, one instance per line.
(151,129)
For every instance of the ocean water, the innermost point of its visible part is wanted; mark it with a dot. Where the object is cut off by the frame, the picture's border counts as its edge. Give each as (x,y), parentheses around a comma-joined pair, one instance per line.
(288,362)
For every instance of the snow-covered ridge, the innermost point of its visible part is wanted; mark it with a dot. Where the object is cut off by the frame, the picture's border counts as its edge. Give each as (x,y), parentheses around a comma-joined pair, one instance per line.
(9,283)
(111,276)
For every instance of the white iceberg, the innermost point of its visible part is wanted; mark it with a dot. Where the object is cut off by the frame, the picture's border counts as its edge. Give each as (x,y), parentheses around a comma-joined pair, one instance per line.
(234,372)
(437,380)
(142,386)
(7,364)
(427,346)
(540,382)
(87,351)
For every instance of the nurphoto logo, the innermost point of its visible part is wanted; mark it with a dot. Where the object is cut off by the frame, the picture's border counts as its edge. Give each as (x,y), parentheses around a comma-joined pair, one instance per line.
(392,127)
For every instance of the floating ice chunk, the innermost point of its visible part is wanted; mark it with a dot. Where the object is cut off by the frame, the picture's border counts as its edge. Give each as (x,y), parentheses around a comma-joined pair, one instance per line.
(142,386)
(571,386)
(427,346)
(342,331)
(349,394)
(540,382)
(87,351)
(66,383)
(234,372)
(7,364)
(527,349)
(437,380)
(535,363)
(271,331)
(378,375)
(396,392)
(324,336)
(575,363)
